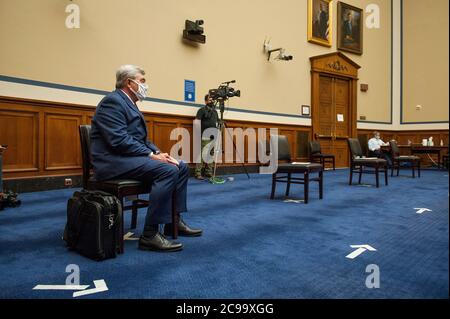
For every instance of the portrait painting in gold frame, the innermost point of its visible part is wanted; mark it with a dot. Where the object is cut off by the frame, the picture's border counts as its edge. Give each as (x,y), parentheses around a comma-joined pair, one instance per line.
(320,22)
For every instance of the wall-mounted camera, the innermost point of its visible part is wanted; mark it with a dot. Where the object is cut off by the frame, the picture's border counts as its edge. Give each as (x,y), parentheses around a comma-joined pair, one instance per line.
(282,56)
(193,31)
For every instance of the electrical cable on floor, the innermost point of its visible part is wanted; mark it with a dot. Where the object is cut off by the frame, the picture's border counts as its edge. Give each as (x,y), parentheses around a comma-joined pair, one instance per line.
(431,159)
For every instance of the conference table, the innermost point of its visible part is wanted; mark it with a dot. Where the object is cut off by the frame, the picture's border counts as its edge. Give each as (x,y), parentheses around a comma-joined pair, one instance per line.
(421,150)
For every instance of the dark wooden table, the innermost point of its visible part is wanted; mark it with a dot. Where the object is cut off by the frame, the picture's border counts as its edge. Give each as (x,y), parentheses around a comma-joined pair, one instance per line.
(420,150)
(429,150)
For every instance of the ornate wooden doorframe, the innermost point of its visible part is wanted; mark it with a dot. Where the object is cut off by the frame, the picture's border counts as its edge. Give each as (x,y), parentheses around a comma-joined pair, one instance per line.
(337,67)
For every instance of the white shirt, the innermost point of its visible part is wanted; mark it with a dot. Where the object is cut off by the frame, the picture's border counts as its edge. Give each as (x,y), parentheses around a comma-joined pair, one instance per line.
(375,144)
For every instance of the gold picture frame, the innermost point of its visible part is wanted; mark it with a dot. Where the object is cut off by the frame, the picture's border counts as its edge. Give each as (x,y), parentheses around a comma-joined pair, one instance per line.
(320,22)
(350,28)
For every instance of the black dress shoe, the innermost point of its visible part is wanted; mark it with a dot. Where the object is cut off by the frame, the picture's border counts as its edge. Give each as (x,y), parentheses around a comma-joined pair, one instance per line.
(183,230)
(158,243)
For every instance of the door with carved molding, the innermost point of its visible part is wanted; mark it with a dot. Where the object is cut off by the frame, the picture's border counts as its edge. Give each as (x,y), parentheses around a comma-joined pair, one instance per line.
(333,118)
(333,99)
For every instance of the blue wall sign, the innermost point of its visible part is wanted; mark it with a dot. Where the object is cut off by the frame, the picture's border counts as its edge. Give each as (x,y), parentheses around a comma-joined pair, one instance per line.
(189,91)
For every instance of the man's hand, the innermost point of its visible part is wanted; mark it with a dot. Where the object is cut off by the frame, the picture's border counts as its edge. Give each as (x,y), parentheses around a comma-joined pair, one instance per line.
(165,158)
(171,160)
(159,157)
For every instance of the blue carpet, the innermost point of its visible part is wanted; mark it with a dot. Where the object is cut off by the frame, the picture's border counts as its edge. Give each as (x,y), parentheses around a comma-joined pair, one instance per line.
(253,247)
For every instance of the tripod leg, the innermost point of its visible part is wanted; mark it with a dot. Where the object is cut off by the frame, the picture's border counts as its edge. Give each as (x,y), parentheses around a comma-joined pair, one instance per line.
(216,151)
(235,149)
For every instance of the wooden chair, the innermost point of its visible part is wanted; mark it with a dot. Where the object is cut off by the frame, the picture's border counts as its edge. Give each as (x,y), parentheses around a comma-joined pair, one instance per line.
(316,154)
(358,162)
(120,188)
(284,154)
(397,159)
(445,161)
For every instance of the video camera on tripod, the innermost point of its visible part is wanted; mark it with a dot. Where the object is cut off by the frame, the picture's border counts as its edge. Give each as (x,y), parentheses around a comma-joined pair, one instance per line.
(224,91)
(220,95)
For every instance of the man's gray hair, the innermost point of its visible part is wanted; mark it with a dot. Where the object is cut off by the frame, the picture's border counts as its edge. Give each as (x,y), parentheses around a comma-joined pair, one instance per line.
(126,72)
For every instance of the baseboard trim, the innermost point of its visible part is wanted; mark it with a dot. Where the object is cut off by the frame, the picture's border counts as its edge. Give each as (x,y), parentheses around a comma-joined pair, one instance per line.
(38,184)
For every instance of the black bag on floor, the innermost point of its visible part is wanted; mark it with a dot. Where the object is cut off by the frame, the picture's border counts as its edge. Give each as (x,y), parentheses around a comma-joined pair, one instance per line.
(94,224)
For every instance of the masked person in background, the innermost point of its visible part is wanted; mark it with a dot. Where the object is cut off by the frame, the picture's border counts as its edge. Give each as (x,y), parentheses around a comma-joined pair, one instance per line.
(209,118)
(375,150)
(120,149)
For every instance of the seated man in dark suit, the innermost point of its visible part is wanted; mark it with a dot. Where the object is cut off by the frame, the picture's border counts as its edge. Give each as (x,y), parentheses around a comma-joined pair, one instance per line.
(120,149)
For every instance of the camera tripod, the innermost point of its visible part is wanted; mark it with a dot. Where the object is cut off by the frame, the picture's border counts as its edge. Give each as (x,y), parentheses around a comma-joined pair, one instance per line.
(221,127)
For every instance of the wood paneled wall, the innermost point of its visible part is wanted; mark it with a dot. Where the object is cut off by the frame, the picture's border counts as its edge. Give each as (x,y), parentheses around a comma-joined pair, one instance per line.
(415,137)
(402,137)
(43,138)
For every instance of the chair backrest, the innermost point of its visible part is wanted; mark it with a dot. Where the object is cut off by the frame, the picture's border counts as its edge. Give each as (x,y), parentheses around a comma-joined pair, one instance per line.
(85,141)
(314,147)
(284,151)
(394,148)
(355,148)
(364,142)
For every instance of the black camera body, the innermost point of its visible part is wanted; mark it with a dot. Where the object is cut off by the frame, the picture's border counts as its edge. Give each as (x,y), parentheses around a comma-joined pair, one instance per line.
(224,92)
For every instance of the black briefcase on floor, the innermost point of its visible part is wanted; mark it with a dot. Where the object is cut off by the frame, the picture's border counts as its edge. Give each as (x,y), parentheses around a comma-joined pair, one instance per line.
(93,226)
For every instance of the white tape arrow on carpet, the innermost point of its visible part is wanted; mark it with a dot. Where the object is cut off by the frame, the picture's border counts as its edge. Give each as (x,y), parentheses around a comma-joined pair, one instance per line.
(359,250)
(60,287)
(296,201)
(422,210)
(100,286)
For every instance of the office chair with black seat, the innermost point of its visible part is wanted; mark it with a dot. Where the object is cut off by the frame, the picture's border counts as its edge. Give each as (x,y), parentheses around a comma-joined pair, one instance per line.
(358,163)
(120,188)
(315,153)
(289,168)
(398,159)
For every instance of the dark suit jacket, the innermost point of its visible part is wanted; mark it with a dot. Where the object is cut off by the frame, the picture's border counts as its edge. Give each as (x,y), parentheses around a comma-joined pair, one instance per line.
(348,28)
(118,137)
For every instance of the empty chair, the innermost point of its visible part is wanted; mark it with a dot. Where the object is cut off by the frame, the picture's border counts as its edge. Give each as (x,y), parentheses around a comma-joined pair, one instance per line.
(398,159)
(305,169)
(358,163)
(316,155)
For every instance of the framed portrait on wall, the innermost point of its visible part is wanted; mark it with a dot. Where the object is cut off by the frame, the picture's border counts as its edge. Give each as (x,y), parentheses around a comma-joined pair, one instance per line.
(320,22)
(350,28)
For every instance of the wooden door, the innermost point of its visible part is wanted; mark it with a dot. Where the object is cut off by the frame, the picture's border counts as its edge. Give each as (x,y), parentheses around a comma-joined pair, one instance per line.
(333,118)
(333,97)
(342,128)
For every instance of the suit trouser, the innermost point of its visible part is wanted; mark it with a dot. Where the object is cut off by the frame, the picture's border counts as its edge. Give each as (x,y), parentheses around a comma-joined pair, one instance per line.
(381,154)
(208,167)
(164,179)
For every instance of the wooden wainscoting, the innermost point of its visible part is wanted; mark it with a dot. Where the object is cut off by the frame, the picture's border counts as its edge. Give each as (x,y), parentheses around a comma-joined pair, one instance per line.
(43,139)
(415,137)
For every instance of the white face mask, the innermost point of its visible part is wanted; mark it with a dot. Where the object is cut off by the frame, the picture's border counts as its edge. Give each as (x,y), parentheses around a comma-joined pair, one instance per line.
(142,92)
